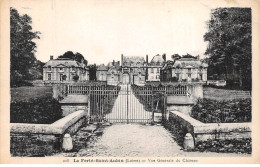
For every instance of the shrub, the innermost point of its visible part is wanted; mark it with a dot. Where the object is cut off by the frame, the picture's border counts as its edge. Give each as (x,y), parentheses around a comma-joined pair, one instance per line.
(76,78)
(174,79)
(231,111)
(42,110)
(225,146)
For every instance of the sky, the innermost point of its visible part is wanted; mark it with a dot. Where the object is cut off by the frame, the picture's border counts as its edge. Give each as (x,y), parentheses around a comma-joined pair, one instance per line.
(103,30)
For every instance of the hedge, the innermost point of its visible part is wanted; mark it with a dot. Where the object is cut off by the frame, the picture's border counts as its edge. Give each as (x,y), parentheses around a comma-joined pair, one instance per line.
(231,111)
(240,146)
(42,110)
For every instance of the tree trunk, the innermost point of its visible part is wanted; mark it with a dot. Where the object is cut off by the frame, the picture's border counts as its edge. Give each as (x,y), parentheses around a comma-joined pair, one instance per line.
(240,78)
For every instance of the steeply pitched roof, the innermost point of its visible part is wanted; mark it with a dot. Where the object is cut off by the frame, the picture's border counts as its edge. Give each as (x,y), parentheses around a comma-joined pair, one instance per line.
(63,62)
(133,60)
(102,67)
(157,59)
(189,63)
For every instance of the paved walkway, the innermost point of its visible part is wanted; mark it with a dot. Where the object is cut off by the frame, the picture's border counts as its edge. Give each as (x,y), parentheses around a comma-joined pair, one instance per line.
(135,108)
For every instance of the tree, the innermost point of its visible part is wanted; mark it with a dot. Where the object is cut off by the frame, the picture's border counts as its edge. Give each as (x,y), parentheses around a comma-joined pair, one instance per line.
(92,72)
(188,56)
(229,48)
(175,56)
(22,47)
(77,57)
(76,78)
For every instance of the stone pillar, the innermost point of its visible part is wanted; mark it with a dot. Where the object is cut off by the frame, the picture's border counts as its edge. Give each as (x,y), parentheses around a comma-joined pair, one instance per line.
(55,91)
(196,91)
(67,143)
(188,142)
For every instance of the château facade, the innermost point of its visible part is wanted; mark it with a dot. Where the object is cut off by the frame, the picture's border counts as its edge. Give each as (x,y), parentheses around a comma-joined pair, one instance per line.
(63,69)
(184,69)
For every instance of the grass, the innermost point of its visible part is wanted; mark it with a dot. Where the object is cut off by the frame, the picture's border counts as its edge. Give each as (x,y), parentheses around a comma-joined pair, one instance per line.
(224,94)
(26,92)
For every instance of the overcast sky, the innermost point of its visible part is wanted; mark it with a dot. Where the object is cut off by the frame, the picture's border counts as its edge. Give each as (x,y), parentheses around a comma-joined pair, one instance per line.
(103,30)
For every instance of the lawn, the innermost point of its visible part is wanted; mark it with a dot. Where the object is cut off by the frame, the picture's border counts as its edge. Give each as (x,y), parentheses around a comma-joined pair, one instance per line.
(224,94)
(25,93)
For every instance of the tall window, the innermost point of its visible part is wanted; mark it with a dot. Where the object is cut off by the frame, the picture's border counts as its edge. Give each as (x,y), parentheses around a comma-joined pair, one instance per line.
(177,76)
(101,77)
(61,77)
(49,76)
(73,68)
(49,68)
(158,70)
(151,70)
(189,70)
(200,76)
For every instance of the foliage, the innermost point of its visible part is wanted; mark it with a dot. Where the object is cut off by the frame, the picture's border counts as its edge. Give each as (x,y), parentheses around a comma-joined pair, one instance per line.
(64,77)
(42,110)
(232,111)
(225,146)
(24,65)
(174,79)
(175,56)
(188,56)
(76,78)
(229,48)
(177,130)
(77,56)
(92,72)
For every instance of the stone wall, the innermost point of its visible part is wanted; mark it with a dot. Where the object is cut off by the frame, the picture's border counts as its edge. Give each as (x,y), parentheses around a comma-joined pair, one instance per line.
(205,131)
(43,139)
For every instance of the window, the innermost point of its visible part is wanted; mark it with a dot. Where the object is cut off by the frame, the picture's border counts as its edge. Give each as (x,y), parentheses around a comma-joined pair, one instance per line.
(158,70)
(73,68)
(177,75)
(189,75)
(200,76)
(151,70)
(49,76)
(61,69)
(49,68)
(189,70)
(61,77)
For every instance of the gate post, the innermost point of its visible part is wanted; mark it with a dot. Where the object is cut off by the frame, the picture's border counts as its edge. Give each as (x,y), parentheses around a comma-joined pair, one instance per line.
(152,105)
(127,103)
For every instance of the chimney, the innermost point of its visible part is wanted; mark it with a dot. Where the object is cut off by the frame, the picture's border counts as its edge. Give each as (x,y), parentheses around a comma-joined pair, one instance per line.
(121,59)
(113,63)
(51,57)
(118,63)
(164,57)
(198,57)
(146,59)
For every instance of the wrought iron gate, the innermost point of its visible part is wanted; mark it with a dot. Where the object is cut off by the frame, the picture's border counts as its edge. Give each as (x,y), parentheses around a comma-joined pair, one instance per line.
(127,103)
(122,105)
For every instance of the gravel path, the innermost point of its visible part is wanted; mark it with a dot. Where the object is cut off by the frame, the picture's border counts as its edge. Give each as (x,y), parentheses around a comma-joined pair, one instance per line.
(136,140)
(136,111)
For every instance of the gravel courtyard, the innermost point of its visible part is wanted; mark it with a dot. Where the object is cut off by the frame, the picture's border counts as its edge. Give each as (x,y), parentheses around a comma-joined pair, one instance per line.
(134,140)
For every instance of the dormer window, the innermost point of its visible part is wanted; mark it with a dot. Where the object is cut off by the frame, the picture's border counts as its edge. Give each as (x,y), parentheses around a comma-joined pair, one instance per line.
(49,68)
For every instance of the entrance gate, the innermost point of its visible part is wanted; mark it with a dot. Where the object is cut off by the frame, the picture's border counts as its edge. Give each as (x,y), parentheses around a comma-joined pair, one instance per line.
(127,103)
(122,105)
